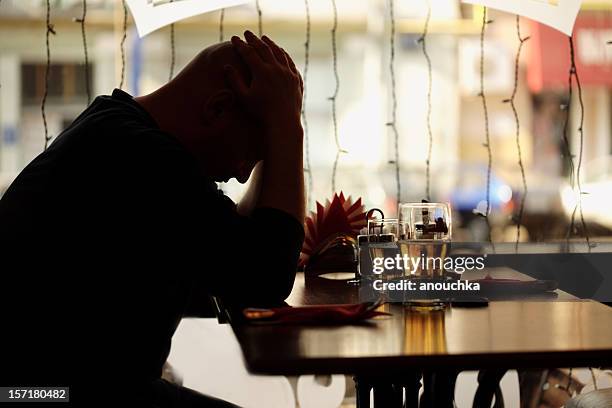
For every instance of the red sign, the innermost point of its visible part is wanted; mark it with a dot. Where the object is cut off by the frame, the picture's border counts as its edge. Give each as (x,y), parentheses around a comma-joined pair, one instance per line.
(549,59)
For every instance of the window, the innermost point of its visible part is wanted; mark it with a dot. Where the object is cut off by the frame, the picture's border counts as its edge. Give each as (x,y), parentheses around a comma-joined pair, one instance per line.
(66,83)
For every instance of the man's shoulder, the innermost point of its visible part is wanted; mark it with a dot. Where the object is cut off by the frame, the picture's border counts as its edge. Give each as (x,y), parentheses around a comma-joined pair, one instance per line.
(117,127)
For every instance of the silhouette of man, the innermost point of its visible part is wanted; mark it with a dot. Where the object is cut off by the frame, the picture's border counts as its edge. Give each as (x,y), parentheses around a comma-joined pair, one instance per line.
(105,235)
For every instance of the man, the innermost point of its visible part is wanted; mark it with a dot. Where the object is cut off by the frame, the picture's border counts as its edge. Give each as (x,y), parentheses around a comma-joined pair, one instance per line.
(105,235)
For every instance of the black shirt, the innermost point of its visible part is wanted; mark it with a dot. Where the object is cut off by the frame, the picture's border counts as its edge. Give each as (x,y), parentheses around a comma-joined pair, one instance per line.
(103,238)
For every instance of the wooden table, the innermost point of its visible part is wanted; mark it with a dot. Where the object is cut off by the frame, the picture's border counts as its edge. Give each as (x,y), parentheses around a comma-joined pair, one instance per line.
(527,333)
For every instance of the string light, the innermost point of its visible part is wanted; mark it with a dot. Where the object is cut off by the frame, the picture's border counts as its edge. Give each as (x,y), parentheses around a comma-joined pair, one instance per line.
(521,210)
(308,168)
(81,21)
(123,38)
(423,41)
(259,18)
(334,97)
(574,72)
(50,30)
(568,153)
(392,123)
(221,24)
(172,50)
(487,143)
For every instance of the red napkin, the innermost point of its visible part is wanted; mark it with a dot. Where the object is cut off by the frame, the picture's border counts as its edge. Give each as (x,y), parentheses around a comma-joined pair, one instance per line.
(324,314)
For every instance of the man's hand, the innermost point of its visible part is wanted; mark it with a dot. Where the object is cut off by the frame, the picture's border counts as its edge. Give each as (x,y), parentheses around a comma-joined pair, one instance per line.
(274,96)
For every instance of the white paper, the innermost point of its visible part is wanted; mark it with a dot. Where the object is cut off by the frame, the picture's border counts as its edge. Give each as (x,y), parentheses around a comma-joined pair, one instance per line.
(558,14)
(149,15)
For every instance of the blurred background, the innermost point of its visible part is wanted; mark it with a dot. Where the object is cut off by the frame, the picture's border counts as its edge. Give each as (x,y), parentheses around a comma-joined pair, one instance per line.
(459,160)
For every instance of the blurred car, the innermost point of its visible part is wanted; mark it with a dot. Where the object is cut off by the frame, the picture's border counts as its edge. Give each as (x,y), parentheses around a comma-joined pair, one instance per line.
(596,185)
(468,198)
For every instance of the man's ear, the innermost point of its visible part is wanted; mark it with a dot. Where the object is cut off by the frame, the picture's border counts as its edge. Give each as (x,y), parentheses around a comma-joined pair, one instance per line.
(217,105)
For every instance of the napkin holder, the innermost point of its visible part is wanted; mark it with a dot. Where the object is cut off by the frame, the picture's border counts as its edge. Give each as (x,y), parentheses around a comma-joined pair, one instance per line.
(335,253)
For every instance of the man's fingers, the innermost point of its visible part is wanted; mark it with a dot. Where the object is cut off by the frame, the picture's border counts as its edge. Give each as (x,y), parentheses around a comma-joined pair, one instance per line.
(262,48)
(278,53)
(248,54)
(235,80)
(294,68)
(290,62)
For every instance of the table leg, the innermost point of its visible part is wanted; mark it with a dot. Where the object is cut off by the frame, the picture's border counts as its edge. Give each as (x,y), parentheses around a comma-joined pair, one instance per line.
(411,384)
(389,392)
(488,387)
(439,389)
(362,392)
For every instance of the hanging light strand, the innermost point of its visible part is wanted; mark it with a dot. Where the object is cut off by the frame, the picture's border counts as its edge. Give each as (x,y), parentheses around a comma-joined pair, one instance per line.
(122,45)
(222,25)
(81,21)
(566,144)
(423,41)
(172,50)
(50,30)
(308,168)
(512,102)
(259,18)
(487,143)
(574,73)
(334,97)
(392,123)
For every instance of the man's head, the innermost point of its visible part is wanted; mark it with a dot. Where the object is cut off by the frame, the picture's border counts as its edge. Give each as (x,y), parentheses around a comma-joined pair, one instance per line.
(200,110)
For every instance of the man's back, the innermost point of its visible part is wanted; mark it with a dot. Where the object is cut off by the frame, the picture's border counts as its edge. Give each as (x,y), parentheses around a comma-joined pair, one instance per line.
(103,237)
(90,233)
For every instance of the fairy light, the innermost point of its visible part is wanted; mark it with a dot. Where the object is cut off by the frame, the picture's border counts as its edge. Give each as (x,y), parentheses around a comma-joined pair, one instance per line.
(221,25)
(392,123)
(172,50)
(423,41)
(574,72)
(81,21)
(574,176)
(308,168)
(259,18)
(334,97)
(122,45)
(487,143)
(50,30)
(512,102)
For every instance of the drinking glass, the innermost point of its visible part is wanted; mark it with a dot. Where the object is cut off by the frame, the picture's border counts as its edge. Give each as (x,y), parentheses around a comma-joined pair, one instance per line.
(428,230)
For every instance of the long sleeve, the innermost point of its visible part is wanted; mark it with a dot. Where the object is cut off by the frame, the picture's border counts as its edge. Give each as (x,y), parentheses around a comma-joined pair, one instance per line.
(248,259)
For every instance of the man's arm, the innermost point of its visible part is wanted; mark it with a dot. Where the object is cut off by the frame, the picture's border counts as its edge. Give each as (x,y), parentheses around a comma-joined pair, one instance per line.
(249,200)
(275,98)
